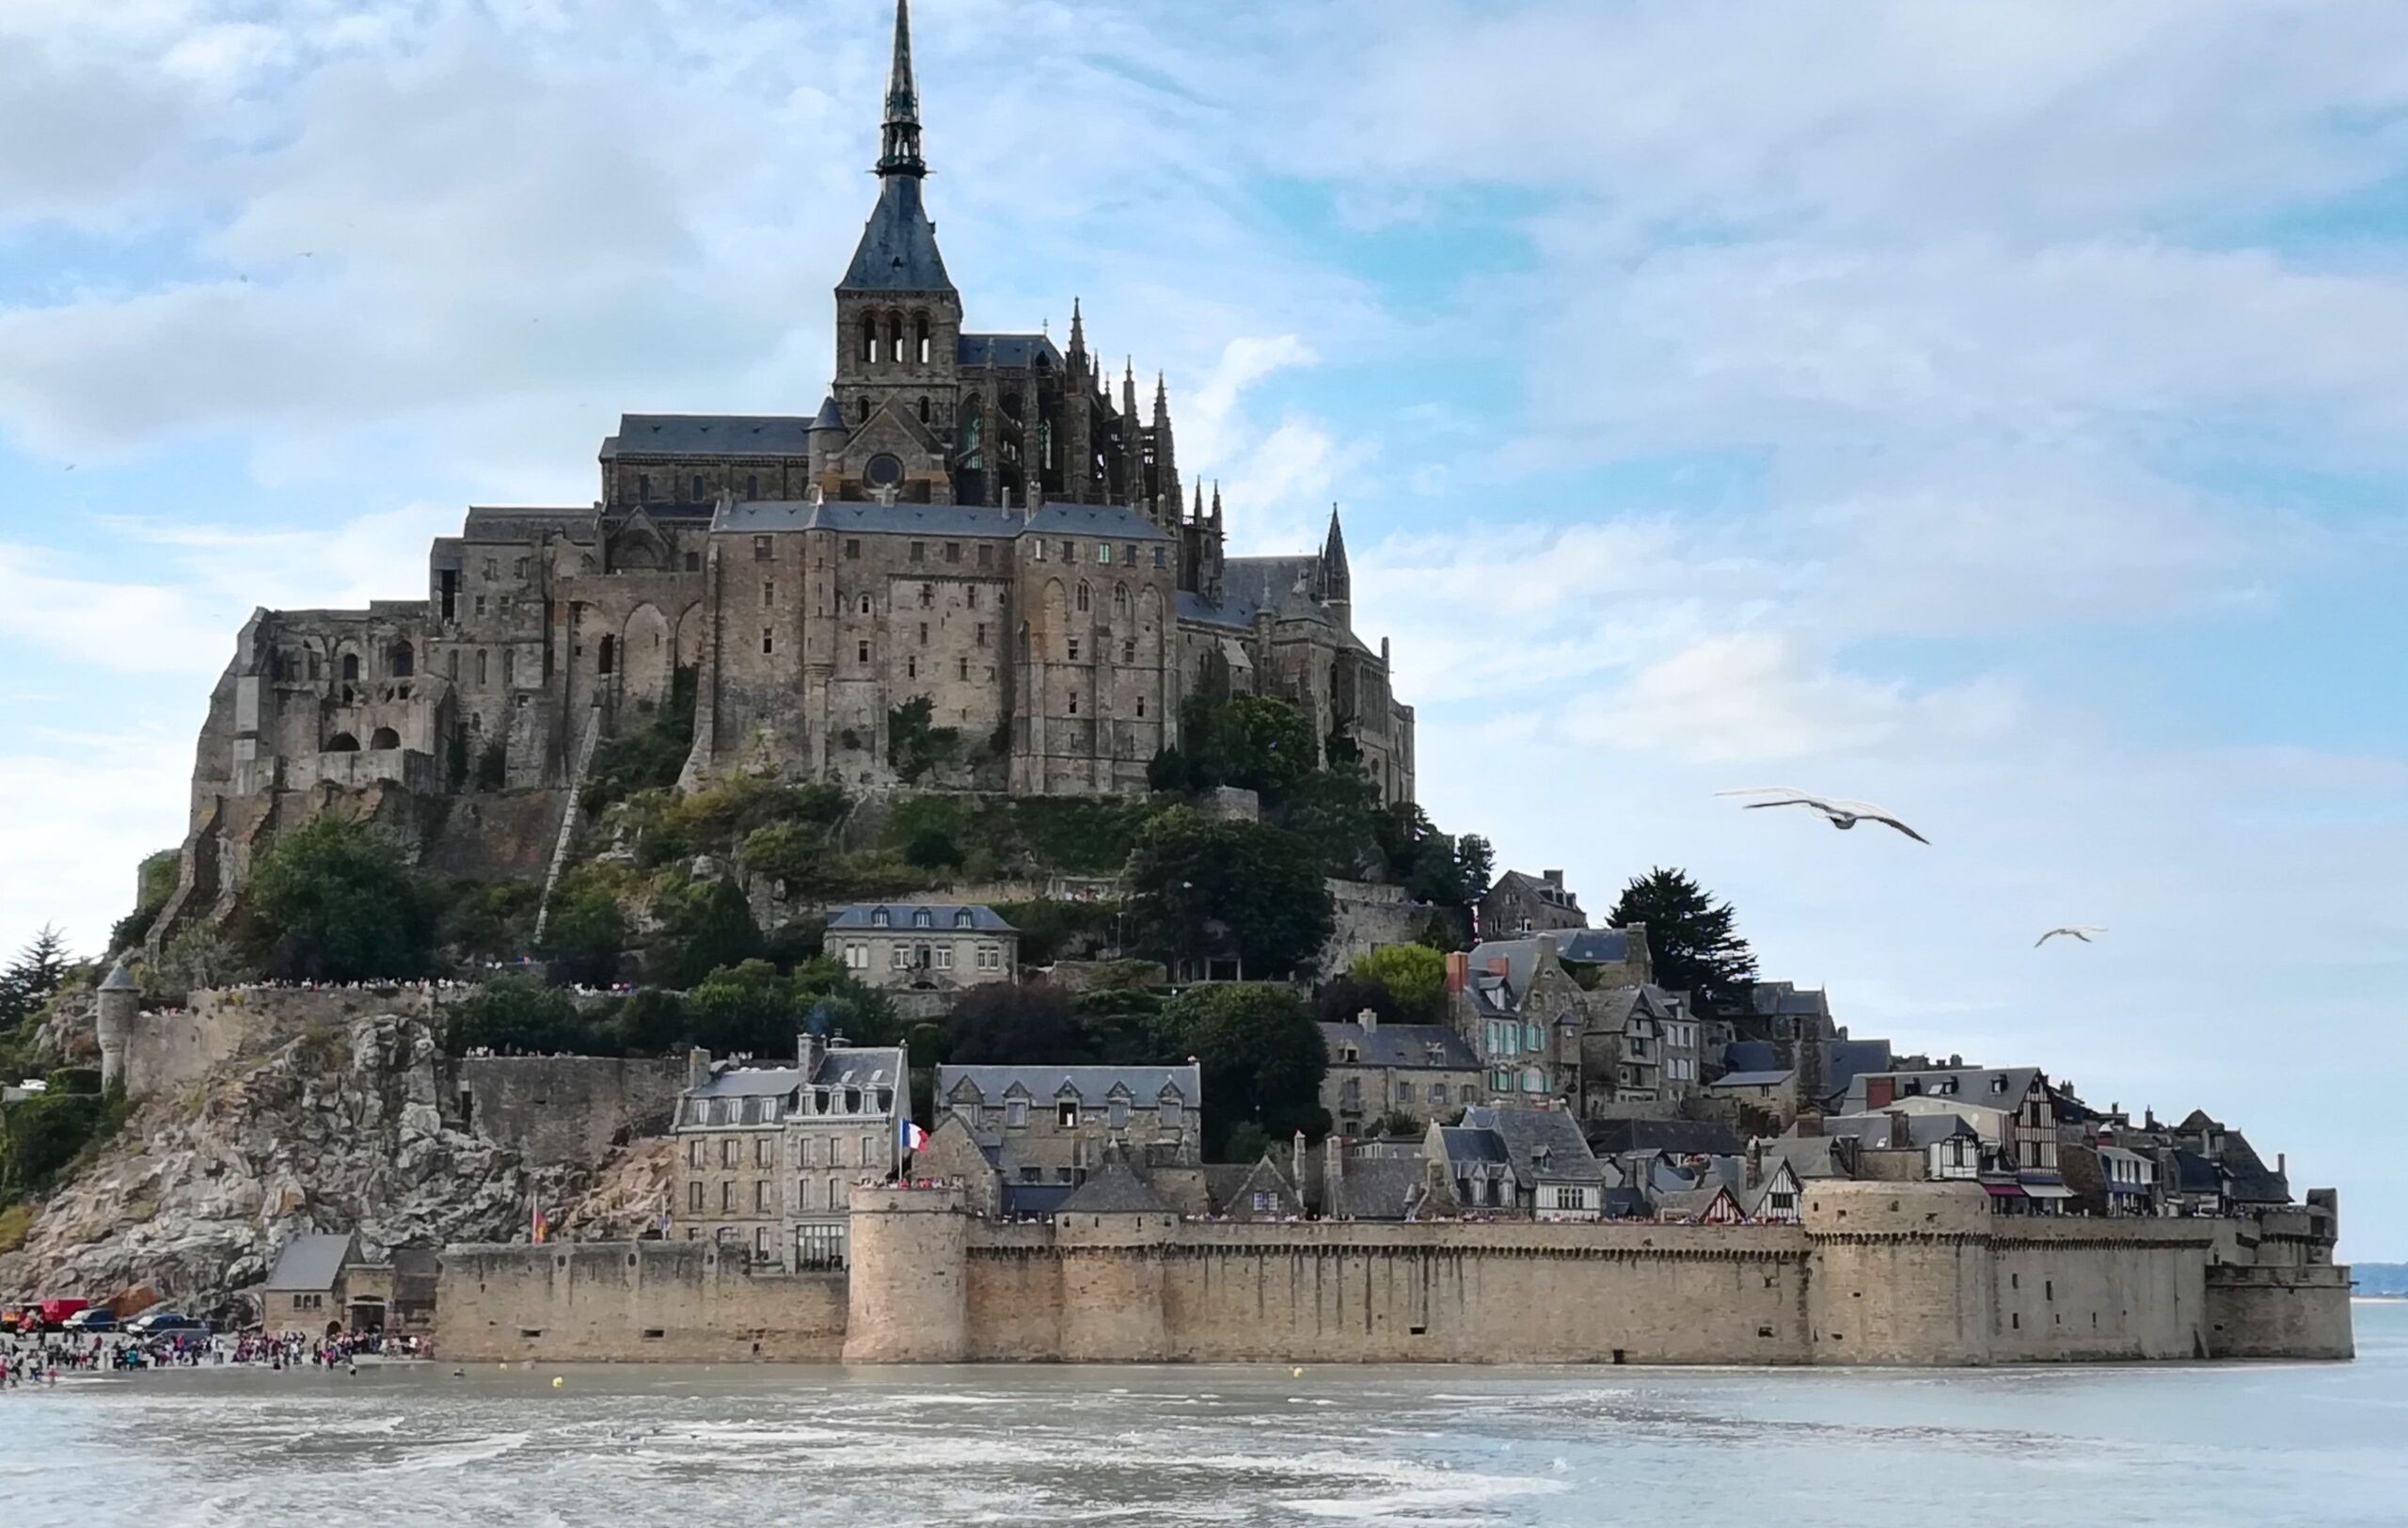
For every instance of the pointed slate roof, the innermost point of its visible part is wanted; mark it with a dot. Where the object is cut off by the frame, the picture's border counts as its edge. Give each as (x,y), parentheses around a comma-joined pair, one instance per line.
(118,979)
(1115,1190)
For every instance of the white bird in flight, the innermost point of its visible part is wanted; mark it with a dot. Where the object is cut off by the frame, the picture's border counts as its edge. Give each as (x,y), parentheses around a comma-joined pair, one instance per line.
(1839,814)
(2082,932)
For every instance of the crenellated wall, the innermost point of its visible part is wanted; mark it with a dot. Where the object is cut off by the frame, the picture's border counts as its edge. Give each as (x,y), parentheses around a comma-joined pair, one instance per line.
(1876,1273)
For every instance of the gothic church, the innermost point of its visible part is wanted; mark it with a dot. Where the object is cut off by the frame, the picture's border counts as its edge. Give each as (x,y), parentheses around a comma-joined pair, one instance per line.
(969,520)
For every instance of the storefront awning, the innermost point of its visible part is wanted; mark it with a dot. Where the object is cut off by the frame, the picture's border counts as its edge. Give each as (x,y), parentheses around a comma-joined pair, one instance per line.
(2004,1190)
(2046,1191)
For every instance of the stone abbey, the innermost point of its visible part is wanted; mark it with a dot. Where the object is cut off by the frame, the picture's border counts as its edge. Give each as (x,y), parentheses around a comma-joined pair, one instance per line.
(974,536)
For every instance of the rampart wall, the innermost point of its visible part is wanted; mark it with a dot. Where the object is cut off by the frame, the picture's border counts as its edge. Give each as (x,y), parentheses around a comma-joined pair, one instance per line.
(166,1049)
(1878,1273)
(666,1303)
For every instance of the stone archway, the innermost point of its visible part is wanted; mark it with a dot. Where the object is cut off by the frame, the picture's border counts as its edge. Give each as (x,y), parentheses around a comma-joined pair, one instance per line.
(646,657)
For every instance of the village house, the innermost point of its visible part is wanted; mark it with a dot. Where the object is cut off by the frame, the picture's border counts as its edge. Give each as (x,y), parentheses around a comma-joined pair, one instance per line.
(767,1155)
(2012,1108)
(1518,905)
(930,946)
(1520,1161)
(1053,1126)
(1420,1071)
(321,1282)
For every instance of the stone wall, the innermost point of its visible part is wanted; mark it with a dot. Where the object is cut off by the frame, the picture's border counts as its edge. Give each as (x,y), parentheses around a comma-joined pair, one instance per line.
(666,1303)
(563,1110)
(169,1048)
(2279,1312)
(1876,1273)
(1366,916)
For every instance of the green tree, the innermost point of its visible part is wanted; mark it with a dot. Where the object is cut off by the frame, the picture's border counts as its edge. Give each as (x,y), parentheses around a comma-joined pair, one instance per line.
(1001,1025)
(1258,885)
(747,1008)
(914,746)
(1260,1056)
(337,901)
(651,1023)
(32,977)
(1336,811)
(1268,747)
(1692,938)
(520,1013)
(584,933)
(1414,976)
(710,923)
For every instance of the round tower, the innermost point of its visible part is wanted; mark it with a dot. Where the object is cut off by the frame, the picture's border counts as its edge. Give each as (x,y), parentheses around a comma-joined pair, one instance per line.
(1113,1305)
(1901,1272)
(908,1295)
(115,1026)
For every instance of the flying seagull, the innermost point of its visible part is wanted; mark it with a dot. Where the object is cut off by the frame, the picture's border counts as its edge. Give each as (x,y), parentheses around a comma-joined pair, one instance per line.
(1839,814)
(2082,933)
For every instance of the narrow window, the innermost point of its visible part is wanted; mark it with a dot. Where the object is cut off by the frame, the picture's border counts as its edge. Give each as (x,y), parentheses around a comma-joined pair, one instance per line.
(1141,708)
(919,551)
(911,668)
(1074,649)
(698,488)
(870,338)
(1074,705)
(644,488)
(610,651)
(894,338)
(480,668)
(768,593)
(1085,601)
(864,652)
(852,551)
(953,551)
(768,640)
(1103,552)
(982,633)
(923,402)
(752,485)
(865,605)
(923,322)
(986,557)
(763,549)
(1158,557)
(963,667)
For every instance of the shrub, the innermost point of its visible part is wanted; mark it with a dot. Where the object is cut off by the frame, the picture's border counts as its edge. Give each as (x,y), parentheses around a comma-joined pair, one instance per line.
(74,1079)
(1414,977)
(520,1013)
(337,900)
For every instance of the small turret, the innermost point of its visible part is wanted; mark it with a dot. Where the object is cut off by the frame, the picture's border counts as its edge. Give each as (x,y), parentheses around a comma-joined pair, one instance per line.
(119,997)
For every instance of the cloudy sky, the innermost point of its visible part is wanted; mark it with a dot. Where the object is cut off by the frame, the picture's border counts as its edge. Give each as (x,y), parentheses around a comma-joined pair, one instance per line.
(1995,410)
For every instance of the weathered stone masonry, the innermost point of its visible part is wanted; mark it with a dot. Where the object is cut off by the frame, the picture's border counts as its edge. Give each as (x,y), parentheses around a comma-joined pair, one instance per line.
(1878,1273)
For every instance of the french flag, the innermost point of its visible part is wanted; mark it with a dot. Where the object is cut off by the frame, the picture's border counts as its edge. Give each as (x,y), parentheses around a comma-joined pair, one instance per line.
(909,1136)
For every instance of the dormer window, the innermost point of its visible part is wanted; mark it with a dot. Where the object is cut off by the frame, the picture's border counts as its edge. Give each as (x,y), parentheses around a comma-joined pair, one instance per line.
(878,918)
(924,920)
(963,920)
(1998,1085)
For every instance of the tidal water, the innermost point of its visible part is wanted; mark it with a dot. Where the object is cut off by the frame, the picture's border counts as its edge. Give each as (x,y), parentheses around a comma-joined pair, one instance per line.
(2256,1443)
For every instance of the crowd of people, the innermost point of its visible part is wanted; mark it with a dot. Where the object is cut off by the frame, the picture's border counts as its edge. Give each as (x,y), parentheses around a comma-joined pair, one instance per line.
(40,1358)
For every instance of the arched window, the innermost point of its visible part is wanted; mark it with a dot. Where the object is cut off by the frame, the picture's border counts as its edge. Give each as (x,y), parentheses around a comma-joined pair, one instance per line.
(894,338)
(869,338)
(1084,600)
(1120,599)
(403,660)
(342,742)
(865,608)
(480,667)
(973,433)
(698,487)
(922,323)
(384,738)
(1023,642)
(351,668)
(924,405)
(860,408)
(1074,705)
(609,652)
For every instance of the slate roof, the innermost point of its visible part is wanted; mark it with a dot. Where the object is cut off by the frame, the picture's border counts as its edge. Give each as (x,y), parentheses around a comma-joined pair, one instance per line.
(840,1066)
(1809,1156)
(1472,1147)
(1784,997)
(1879,1131)
(2195,1175)
(120,979)
(1399,1045)
(902,916)
(750,1082)
(1539,887)
(1590,946)
(710,434)
(1625,1205)
(1007,350)
(2250,1180)
(1383,1188)
(1226,1184)
(1197,609)
(312,1261)
(1036,1200)
(1691,1203)
(1113,1190)
(1527,1132)
(1751,1079)
(1093,1085)
(1109,523)
(1686,1138)
(898,247)
(1973,1085)
(488,522)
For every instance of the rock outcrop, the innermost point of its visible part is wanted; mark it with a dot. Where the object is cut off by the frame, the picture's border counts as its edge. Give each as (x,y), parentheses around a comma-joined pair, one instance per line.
(335,1127)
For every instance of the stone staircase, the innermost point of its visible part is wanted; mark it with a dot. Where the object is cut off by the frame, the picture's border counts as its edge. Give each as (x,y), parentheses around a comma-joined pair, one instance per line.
(571,815)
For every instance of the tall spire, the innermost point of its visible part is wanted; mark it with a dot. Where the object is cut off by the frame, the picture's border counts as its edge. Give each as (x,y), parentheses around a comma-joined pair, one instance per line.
(1078,333)
(900,143)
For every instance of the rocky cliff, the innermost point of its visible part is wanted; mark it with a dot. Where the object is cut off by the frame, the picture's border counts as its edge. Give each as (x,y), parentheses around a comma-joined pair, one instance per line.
(334,1128)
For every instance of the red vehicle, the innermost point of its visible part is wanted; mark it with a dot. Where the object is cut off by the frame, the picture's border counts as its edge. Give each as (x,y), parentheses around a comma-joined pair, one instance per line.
(53,1313)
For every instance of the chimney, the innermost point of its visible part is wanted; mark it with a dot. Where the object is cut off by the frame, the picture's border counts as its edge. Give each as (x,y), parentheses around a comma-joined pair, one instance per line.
(1553,878)
(698,1066)
(1901,1134)
(1333,1179)
(1458,971)
(808,1050)
(2281,1163)
(1297,1163)
(1810,1126)
(1369,1019)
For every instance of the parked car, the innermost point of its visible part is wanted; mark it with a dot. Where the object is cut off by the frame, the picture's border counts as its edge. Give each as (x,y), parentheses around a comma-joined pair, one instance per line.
(167,1324)
(91,1318)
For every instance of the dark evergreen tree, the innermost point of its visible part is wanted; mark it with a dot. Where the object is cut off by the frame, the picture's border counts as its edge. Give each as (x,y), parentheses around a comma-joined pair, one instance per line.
(1691,936)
